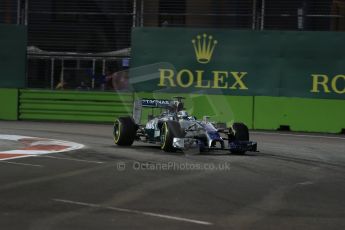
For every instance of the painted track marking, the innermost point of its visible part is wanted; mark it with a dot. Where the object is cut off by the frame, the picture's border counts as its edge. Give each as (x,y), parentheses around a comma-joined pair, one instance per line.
(17,163)
(36,146)
(71,159)
(134,212)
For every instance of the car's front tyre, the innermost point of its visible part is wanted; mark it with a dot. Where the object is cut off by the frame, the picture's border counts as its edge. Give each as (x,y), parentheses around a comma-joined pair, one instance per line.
(238,132)
(124,131)
(169,130)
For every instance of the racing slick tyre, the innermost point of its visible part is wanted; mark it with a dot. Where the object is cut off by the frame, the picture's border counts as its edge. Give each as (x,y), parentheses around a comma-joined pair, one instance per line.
(124,131)
(169,130)
(239,132)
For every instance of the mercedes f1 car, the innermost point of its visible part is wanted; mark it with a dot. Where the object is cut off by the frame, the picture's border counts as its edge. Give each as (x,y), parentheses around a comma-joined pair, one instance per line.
(174,129)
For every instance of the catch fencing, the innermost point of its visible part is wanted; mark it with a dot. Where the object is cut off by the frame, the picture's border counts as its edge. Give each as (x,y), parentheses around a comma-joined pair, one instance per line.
(79,34)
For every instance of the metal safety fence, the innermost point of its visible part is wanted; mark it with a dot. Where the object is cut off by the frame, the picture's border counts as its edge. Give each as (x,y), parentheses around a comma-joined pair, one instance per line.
(10,11)
(79,37)
(311,15)
(194,13)
(79,71)
(80,26)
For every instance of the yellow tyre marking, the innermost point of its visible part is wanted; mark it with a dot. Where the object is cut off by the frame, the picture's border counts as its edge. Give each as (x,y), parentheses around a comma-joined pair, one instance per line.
(165,135)
(118,136)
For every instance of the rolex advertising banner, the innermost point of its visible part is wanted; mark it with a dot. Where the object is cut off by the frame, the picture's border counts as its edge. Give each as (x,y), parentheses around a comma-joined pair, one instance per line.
(255,63)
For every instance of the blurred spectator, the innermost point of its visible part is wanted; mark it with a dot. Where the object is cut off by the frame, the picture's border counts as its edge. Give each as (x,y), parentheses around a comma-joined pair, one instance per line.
(108,78)
(83,86)
(165,24)
(338,9)
(98,82)
(61,85)
(8,12)
(120,80)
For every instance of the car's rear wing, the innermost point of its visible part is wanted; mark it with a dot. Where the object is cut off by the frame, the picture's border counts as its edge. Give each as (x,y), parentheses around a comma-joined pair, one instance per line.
(148,103)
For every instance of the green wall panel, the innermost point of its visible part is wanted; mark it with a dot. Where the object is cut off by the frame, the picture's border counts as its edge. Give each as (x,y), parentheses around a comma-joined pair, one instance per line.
(9,104)
(239,62)
(74,105)
(261,112)
(12,56)
(75,95)
(311,115)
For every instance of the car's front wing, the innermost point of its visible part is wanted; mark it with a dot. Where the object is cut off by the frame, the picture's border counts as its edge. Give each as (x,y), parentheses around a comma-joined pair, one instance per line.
(233,146)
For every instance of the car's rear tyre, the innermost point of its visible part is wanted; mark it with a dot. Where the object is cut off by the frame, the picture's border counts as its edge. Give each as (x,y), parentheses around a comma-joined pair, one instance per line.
(169,130)
(239,132)
(124,131)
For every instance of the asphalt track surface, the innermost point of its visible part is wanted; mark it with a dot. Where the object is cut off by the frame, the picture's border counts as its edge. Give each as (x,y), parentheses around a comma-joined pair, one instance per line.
(297,181)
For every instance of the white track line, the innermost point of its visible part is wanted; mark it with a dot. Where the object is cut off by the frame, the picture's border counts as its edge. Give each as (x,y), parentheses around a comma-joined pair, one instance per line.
(299,135)
(305,183)
(71,159)
(15,137)
(134,212)
(18,157)
(23,164)
(27,152)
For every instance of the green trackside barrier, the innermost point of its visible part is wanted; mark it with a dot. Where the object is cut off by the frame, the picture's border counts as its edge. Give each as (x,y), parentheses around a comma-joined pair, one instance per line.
(267,113)
(220,108)
(73,105)
(310,115)
(260,112)
(9,104)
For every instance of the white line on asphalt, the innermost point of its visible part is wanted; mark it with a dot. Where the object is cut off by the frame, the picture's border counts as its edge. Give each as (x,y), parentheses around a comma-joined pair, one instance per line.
(27,152)
(13,137)
(12,158)
(16,163)
(70,159)
(298,135)
(134,211)
(305,183)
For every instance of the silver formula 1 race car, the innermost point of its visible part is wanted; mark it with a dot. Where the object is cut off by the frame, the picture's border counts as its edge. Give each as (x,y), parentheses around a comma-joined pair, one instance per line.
(174,129)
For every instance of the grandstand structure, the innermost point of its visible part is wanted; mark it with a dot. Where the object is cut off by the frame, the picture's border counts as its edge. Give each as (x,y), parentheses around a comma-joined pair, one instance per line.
(83,39)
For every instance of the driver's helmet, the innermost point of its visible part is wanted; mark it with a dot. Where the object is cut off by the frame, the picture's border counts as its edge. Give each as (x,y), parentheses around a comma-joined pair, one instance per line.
(182,114)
